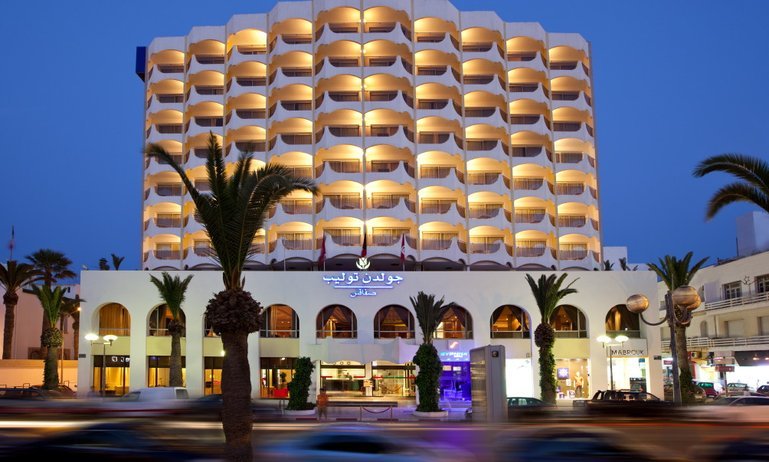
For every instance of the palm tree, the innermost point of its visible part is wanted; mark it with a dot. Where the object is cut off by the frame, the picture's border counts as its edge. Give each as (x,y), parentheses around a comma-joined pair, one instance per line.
(53,266)
(752,186)
(103,265)
(51,301)
(548,292)
(116,261)
(231,214)
(173,290)
(13,275)
(623,264)
(676,273)
(429,313)
(70,307)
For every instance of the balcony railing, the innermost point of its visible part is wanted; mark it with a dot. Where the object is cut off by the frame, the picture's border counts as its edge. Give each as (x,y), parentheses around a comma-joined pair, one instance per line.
(572,254)
(572,221)
(523,56)
(724,342)
(528,184)
(737,301)
(536,251)
(530,216)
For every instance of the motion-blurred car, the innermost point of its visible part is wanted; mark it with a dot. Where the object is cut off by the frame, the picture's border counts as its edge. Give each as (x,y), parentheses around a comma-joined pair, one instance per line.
(738,389)
(746,408)
(710,389)
(700,395)
(570,443)
(210,407)
(147,402)
(358,443)
(628,403)
(763,390)
(109,441)
(749,448)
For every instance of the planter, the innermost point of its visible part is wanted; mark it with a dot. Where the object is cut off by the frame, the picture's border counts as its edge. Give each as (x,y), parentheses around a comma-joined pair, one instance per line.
(303,412)
(431,415)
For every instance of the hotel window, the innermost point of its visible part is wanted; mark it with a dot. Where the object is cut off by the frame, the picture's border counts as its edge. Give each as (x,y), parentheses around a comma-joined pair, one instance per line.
(159,321)
(456,323)
(437,241)
(387,236)
(336,321)
(510,322)
(280,321)
(569,322)
(394,322)
(297,241)
(345,236)
(735,328)
(114,319)
(762,284)
(732,290)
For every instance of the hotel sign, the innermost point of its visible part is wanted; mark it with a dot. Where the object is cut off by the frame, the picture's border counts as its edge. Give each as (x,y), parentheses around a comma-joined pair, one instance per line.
(362,284)
(633,348)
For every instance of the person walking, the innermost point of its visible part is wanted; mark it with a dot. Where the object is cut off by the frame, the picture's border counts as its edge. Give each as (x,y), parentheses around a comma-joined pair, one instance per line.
(322,403)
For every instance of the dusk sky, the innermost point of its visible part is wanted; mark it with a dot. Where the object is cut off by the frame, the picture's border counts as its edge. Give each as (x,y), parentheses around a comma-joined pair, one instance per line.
(674,82)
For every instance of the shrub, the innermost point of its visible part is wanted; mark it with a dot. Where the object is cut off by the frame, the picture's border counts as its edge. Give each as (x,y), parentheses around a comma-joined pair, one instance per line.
(299,387)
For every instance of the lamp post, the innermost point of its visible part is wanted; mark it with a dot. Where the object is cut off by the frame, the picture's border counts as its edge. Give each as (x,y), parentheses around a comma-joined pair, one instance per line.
(107,339)
(609,342)
(684,298)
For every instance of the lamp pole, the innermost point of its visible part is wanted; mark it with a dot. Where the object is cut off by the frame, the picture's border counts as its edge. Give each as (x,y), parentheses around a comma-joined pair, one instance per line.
(107,339)
(685,298)
(609,342)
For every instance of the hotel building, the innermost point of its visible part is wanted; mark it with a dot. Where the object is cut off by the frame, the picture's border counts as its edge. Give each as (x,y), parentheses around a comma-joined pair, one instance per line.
(450,145)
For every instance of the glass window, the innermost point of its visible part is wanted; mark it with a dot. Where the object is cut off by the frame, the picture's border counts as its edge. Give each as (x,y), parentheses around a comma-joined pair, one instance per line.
(456,323)
(762,284)
(114,319)
(732,290)
(394,322)
(509,321)
(569,322)
(336,321)
(159,319)
(619,320)
(280,321)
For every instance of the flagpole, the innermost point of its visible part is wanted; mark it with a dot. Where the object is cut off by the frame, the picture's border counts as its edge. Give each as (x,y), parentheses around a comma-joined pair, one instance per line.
(12,242)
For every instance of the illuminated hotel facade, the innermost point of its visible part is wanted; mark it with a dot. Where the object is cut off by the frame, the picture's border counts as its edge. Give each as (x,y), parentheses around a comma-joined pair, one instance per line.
(453,144)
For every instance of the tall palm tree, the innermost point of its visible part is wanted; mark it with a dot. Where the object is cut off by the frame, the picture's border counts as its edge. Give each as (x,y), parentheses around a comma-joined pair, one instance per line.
(13,275)
(429,313)
(676,273)
(548,292)
(70,307)
(53,266)
(173,291)
(231,214)
(51,301)
(752,186)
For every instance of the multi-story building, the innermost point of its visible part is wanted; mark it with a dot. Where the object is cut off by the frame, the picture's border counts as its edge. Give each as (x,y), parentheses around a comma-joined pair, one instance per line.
(728,338)
(471,136)
(455,139)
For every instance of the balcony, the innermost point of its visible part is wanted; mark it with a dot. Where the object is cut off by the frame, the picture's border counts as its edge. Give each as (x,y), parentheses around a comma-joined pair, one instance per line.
(283,110)
(489,83)
(526,59)
(443,108)
(163,102)
(569,68)
(205,93)
(493,116)
(159,132)
(529,122)
(290,42)
(446,176)
(489,51)
(202,62)
(398,207)
(391,31)
(163,259)
(488,216)
(534,254)
(477,148)
(577,100)
(395,66)
(247,53)
(442,211)
(203,125)
(242,85)
(290,76)
(335,206)
(497,252)
(335,170)
(537,155)
(575,192)
(488,182)
(578,258)
(531,90)
(294,210)
(399,136)
(399,172)
(290,142)
(574,161)
(533,220)
(444,75)
(161,72)
(163,193)
(578,130)
(440,41)
(446,142)
(443,249)
(395,100)
(737,301)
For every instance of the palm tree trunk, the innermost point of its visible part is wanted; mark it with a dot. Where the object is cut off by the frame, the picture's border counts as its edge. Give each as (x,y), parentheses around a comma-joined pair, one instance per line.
(547,373)
(10,319)
(51,369)
(176,360)
(685,372)
(44,328)
(236,392)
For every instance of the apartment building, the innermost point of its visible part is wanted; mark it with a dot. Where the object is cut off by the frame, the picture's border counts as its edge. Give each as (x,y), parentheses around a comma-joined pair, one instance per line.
(466,138)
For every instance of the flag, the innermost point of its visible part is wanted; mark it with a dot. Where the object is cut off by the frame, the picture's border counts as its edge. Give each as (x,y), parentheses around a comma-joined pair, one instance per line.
(363,250)
(12,242)
(403,249)
(322,257)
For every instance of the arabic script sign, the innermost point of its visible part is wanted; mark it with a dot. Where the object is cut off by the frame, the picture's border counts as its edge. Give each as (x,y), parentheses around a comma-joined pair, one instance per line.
(362,284)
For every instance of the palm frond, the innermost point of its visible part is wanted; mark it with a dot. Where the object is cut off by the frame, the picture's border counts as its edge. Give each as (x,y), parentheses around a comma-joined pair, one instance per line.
(173,291)
(674,272)
(548,292)
(50,300)
(753,187)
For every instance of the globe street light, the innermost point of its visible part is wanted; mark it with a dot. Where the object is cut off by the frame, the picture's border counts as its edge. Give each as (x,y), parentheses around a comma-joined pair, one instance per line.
(609,342)
(684,299)
(107,339)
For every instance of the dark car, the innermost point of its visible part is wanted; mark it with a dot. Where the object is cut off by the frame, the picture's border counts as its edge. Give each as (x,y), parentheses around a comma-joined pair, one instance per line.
(628,403)
(763,390)
(523,406)
(210,407)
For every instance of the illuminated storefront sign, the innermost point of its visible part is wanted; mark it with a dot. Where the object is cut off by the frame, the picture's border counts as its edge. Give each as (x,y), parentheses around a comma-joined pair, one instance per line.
(454,356)
(363,284)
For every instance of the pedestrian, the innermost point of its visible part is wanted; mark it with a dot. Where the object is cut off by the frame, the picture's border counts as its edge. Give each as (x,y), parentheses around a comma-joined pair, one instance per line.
(322,403)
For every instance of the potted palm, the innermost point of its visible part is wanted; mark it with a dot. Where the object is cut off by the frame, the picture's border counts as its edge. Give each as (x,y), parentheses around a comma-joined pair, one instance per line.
(429,313)
(299,388)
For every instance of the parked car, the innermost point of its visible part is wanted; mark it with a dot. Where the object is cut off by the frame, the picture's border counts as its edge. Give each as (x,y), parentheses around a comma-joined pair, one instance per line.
(627,403)
(737,389)
(742,408)
(710,389)
(763,390)
(699,394)
(151,401)
(525,406)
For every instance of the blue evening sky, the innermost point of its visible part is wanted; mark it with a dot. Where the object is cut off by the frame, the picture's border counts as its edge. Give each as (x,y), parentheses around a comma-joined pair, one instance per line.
(674,82)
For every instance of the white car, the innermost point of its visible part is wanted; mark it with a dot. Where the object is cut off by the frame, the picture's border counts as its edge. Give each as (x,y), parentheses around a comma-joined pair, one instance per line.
(734,409)
(145,402)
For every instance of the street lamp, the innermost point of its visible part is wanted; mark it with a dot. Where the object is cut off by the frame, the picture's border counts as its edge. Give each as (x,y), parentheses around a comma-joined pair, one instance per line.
(107,339)
(684,298)
(609,342)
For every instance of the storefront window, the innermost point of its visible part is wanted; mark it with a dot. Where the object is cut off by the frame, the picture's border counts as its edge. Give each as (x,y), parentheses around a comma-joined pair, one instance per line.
(280,321)
(629,373)
(343,377)
(396,380)
(276,373)
(337,321)
(117,374)
(394,322)
(212,375)
(456,323)
(509,321)
(569,322)
(572,379)
(159,319)
(455,381)
(159,371)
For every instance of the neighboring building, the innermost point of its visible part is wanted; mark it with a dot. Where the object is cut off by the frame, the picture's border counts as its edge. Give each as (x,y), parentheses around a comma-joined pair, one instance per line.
(471,136)
(442,140)
(729,334)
